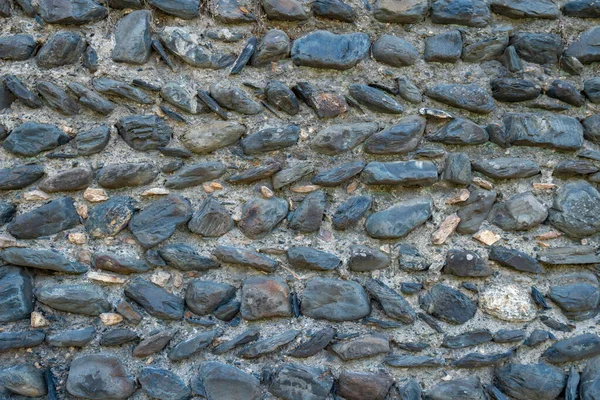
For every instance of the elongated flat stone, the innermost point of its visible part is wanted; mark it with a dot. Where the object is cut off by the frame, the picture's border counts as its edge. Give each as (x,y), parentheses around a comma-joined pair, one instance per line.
(470,97)
(155,300)
(323,49)
(53,217)
(398,220)
(334,300)
(50,260)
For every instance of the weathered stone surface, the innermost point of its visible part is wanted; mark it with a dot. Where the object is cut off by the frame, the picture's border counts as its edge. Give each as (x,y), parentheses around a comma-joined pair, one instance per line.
(50,260)
(23,379)
(144,132)
(460,131)
(157,222)
(68,180)
(313,259)
(99,376)
(401,12)
(274,46)
(520,212)
(569,255)
(323,49)
(466,263)
(119,264)
(527,381)
(17,340)
(514,90)
(467,339)
(398,220)
(20,176)
(247,336)
(506,168)
(334,9)
(355,385)
(585,49)
(115,176)
(203,297)
(53,217)
(92,141)
(155,300)
(185,258)
(248,258)
(265,298)
(337,175)
(72,338)
(281,96)
(337,139)
(465,389)
(117,337)
(268,345)
(184,9)
(539,48)
(212,136)
(71,13)
(566,92)
(448,304)
(226,381)
(162,384)
(393,304)
(334,300)
(77,299)
(211,219)
(317,342)
(515,259)
(404,173)
(470,97)
(574,168)
(91,99)
(285,10)
(485,50)
(110,217)
(545,9)
(260,216)
(458,169)
(190,347)
(16,90)
(374,99)
(179,42)
(307,217)
(444,47)
(195,174)
(133,38)
(230,12)
(16,296)
(475,210)
(364,258)
(233,98)
(17,47)
(363,346)
(326,104)
(62,48)
(31,138)
(575,209)
(351,211)
(153,343)
(508,302)
(464,12)
(394,51)
(294,381)
(397,139)
(7,212)
(271,139)
(578,301)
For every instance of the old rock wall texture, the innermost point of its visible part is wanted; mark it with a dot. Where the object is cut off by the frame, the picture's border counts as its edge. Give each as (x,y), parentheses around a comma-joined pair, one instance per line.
(238,199)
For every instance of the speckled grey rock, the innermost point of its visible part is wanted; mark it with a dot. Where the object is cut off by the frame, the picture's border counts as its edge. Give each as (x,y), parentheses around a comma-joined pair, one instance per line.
(394,305)
(475,210)
(72,338)
(285,10)
(339,174)
(184,9)
(470,97)
(91,99)
(374,99)
(334,300)
(340,138)
(62,48)
(458,169)
(185,258)
(474,13)
(312,259)
(539,48)
(268,345)
(567,92)
(226,381)
(67,180)
(400,138)
(506,168)
(92,141)
(351,211)
(520,212)
(133,38)
(23,379)
(398,220)
(307,217)
(192,346)
(20,176)
(264,297)
(211,219)
(77,299)
(203,297)
(274,45)
(70,13)
(464,389)
(99,376)
(514,90)
(179,42)
(17,340)
(461,262)
(486,49)
(578,301)
(271,139)
(334,9)
(144,132)
(233,98)
(195,174)
(576,209)
(515,259)
(545,9)
(409,12)
(585,48)
(364,258)
(212,136)
(244,257)
(155,300)
(110,217)
(367,345)
(358,385)
(114,176)
(323,49)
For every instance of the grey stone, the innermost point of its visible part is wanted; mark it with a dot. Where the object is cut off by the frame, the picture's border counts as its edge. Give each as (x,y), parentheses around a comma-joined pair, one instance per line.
(68,180)
(247,336)
(271,139)
(260,216)
(448,304)
(247,258)
(565,91)
(190,347)
(155,300)
(398,220)
(274,45)
(578,301)
(20,176)
(153,343)
(117,88)
(72,338)
(144,132)
(233,98)
(475,210)
(364,259)
(7,212)
(17,47)
(544,130)
(285,10)
(467,339)
(212,136)
(514,90)
(545,9)
(120,264)
(460,131)
(307,217)
(117,337)
(53,217)
(590,379)
(458,169)
(508,336)
(457,389)
(184,9)
(31,138)
(506,168)
(133,38)
(312,259)
(394,305)
(264,297)
(515,259)
(92,141)
(115,176)
(18,340)
(16,294)
(15,89)
(404,173)
(470,97)
(281,96)
(91,99)
(410,361)
(268,345)
(83,299)
(161,383)
(334,300)
(196,174)
(317,342)
(397,139)
(474,13)
(71,12)
(211,219)
(581,9)
(340,138)
(591,128)
(334,9)
(24,379)
(229,12)
(339,174)
(408,90)
(62,48)
(520,212)
(179,42)
(400,12)
(585,48)
(185,258)
(203,297)
(226,381)
(323,49)
(443,47)
(44,259)
(465,263)
(295,381)
(374,99)
(367,345)
(539,48)
(99,376)
(178,95)
(569,255)
(356,385)
(485,50)
(574,168)
(110,217)
(351,211)
(527,381)
(326,104)
(591,88)
(576,209)
(394,51)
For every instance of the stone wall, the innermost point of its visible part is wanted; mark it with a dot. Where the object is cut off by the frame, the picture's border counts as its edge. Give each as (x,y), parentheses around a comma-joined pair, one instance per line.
(235,199)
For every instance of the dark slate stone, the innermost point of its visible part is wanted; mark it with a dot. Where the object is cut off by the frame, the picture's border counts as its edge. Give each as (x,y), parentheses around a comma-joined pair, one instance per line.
(120,264)
(590,379)
(90,59)
(326,104)
(68,180)
(178,95)
(410,390)
(228,311)
(18,340)
(569,255)
(295,381)
(585,48)
(53,217)
(288,10)
(313,259)
(400,138)
(133,38)
(334,300)
(77,299)
(17,47)
(410,361)
(464,263)
(110,217)
(411,287)
(5,9)
(264,297)
(340,138)
(323,49)
(475,210)
(268,345)
(578,301)
(50,260)
(115,176)
(117,337)
(247,336)
(460,131)
(515,259)
(576,209)
(294,173)
(478,360)
(25,380)
(271,139)
(364,259)
(574,168)
(62,48)
(462,12)
(155,300)
(222,381)
(211,219)
(317,342)
(17,89)
(260,216)
(99,376)
(393,304)
(244,257)
(7,212)
(571,65)
(334,9)
(367,345)
(506,168)
(530,381)
(307,217)
(184,9)
(72,338)
(31,138)
(71,13)
(144,132)
(465,389)
(467,339)
(196,174)
(520,212)
(571,390)
(6,98)
(591,128)
(398,220)
(374,99)
(444,47)
(544,130)
(544,9)
(357,385)
(484,50)
(394,51)
(274,45)
(153,343)
(203,297)
(212,136)
(508,335)
(157,222)
(231,97)
(539,48)
(458,169)
(179,42)
(565,91)
(448,304)
(470,97)
(337,175)
(161,383)
(281,96)
(194,345)
(57,98)
(514,90)
(581,9)
(573,349)
(185,258)
(351,211)
(408,90)
(537,337)
(92,141)
(229,12)
(401,13)
(20,177)
(16,295)
(91,99)
(121,89)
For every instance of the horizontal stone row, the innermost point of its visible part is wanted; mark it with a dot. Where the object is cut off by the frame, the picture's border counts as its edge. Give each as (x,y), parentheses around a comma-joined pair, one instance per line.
(291,381)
